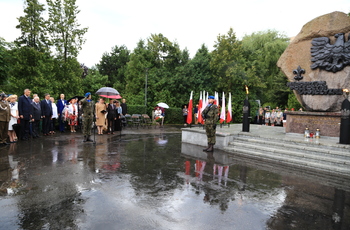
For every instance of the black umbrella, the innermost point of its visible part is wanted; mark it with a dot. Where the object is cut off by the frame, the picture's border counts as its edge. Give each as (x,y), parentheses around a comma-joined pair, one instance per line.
(75,97)
(107,91)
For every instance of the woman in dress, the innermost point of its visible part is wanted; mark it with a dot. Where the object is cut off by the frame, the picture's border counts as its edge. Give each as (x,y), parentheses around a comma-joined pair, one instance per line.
(273,117)
(159,114)
(100,111)
(54,116)
(14,116)
(72,114)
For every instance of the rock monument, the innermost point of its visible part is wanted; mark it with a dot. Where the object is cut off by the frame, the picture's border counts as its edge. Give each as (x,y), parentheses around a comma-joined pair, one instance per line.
(317,65)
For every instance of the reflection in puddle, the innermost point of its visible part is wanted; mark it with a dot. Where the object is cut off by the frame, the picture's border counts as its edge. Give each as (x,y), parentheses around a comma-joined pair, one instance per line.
(157,182)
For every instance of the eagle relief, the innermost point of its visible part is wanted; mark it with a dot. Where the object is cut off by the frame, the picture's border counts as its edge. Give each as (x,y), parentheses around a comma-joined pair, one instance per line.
(332,58)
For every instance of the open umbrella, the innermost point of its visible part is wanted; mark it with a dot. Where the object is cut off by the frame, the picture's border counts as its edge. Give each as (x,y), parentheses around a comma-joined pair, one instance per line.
(75,97)
(163,105)
(107,91)
(111,96)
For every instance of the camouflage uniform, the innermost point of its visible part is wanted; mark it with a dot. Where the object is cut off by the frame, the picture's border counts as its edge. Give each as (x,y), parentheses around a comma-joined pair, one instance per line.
(210,114)
(5,115)
(88,108)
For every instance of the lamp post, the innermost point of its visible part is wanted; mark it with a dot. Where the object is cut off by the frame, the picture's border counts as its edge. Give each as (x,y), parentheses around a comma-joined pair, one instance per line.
(146,89)
(246,112)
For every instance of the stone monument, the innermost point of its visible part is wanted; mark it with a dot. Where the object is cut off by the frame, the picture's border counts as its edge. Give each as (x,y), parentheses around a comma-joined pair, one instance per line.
(317,65)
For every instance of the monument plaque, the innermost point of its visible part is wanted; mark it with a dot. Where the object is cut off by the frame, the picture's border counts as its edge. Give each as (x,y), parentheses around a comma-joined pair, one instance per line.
(321,51)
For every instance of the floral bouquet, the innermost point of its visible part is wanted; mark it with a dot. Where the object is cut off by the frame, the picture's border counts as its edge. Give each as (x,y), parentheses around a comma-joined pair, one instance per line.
(158,119)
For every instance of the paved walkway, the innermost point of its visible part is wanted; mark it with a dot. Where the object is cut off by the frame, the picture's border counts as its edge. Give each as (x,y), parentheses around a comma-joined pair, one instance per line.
(278,132)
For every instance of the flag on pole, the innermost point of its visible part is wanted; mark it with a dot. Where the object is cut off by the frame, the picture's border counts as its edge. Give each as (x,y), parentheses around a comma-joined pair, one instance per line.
(200,120)
(216,96)
(229,110)
(190,108)
(204,103)
(223,109)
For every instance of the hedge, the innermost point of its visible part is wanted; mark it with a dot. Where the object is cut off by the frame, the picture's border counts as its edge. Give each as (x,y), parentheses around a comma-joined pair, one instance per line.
(172,115)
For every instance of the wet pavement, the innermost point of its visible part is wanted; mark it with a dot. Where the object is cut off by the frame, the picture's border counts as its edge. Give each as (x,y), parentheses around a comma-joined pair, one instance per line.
(147,179)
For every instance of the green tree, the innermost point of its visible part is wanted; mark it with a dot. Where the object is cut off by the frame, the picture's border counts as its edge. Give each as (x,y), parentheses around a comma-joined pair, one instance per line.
(33,27)
(159,62)
(114,65)
(262,51)
(200,76)
(138,67)
(229,70)
(31,64)
(67,37)
(65,31)
(93,81)
(4,62)
(32,69)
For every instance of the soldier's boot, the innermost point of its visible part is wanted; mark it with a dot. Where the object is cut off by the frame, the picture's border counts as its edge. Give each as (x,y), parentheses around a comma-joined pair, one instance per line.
(85,139)
(211,148)
(206,148)
(88,139)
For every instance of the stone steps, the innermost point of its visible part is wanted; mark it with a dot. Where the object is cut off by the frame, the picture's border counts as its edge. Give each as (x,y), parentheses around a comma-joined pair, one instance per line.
(297,154)
(322,177)
(341,150)
(330,154)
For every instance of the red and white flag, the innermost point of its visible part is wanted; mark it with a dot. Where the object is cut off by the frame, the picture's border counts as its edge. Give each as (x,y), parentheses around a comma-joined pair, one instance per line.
(216,96)
(190,108)
(205,100)
(229,110)
(200,104)
(223,109)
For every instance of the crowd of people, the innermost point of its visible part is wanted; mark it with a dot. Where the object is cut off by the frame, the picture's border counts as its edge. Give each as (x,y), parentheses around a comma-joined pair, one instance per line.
(268,117)
(27,117)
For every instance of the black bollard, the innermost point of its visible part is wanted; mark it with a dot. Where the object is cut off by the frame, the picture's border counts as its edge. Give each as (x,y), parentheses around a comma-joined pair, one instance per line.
(345,123)
(246,114)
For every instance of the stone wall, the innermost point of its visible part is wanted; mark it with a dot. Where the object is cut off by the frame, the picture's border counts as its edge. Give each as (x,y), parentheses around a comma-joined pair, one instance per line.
(327,122)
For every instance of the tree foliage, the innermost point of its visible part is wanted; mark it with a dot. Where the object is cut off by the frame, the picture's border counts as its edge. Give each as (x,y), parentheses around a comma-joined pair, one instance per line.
(33,27)
(114,66)
(262,51)
(44,59)
(65,31)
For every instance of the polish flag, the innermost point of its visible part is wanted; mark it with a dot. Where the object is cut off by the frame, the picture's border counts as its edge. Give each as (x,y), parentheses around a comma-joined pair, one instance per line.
(229,110)
(204,103)
(200,104)
(223,109)
(216,96)
(190,108)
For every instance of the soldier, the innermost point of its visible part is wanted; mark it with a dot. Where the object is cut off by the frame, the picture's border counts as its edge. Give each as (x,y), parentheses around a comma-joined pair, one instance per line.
(88,107)
(210,117)
(5,113)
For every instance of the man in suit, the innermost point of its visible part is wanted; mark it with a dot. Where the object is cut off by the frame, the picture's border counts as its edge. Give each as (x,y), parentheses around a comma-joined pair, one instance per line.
(36,117)
(25,113)
(61,103)
(46,113)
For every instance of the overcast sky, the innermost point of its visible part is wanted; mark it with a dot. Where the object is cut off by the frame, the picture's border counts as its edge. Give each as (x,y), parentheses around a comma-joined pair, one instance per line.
(188,22)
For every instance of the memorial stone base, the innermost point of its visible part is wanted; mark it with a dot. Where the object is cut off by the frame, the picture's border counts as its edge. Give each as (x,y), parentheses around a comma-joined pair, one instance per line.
(327,122)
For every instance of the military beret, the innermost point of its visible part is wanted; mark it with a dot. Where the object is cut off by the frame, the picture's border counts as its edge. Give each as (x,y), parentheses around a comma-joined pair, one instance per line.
(211,97)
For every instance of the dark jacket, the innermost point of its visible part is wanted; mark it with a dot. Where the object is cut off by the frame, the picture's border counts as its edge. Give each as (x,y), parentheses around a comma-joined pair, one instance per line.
(36,111)
(46,108)
(112,112)
(124,108)
(25,107)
